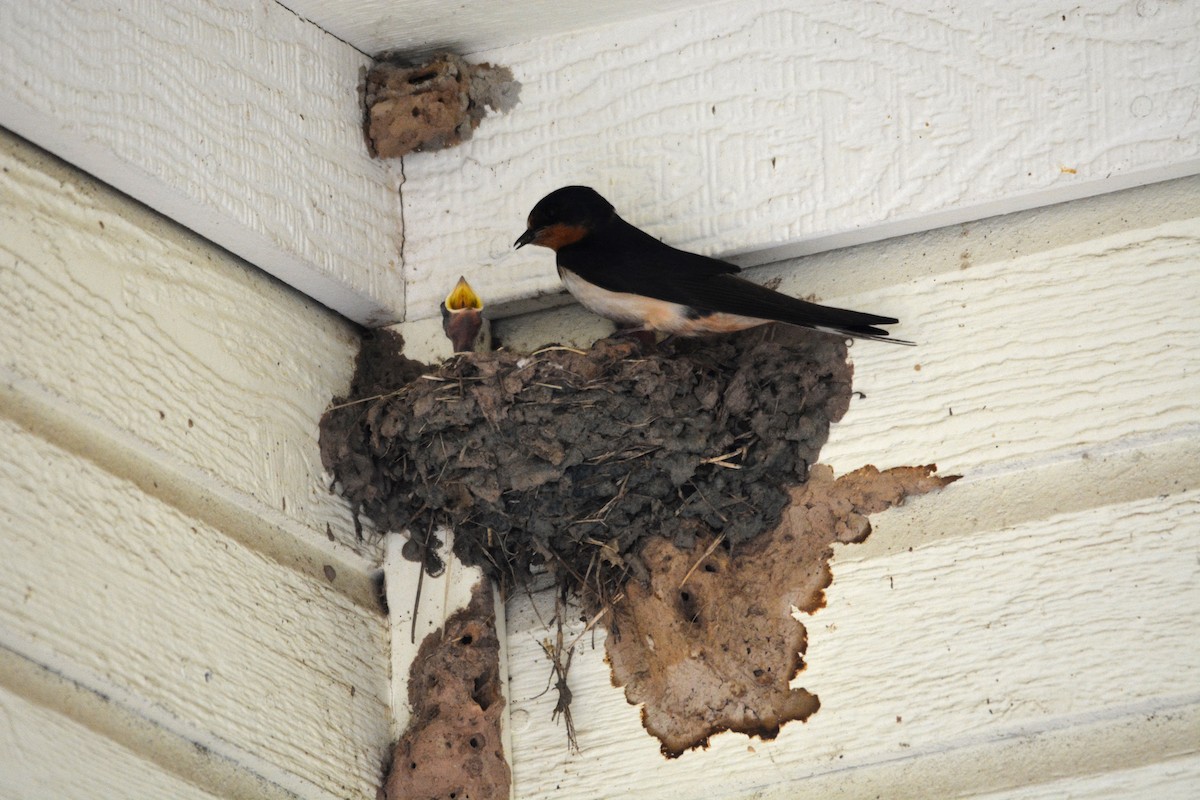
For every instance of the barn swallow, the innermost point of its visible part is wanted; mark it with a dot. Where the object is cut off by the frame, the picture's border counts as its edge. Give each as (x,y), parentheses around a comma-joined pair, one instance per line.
(623,273)
(462,316)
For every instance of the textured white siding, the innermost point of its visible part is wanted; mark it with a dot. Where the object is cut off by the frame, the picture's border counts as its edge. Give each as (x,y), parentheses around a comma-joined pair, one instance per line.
(1034,623)
(784,127)
(178,588)
(185,610)
(766,129)
(238,119)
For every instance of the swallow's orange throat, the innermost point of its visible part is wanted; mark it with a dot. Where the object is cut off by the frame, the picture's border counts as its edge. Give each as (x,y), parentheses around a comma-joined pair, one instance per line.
(560,234)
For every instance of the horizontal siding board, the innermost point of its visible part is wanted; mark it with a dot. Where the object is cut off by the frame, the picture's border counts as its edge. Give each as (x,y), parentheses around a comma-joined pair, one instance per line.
(838,276)
(1121,472)
(971,644)
(776,128)
(33,742)
(1021,360)
(1087,748)
(1176,779)
(241,121)
(138,327)
(258,663)
(1056,572)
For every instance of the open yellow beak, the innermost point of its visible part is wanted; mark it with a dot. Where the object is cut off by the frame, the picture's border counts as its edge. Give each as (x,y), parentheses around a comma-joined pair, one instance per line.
(462,316)
(462,296)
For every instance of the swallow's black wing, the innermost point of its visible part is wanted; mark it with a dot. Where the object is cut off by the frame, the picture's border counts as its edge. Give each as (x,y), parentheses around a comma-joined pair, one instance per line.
(630,253)
(629,260)
(733,295)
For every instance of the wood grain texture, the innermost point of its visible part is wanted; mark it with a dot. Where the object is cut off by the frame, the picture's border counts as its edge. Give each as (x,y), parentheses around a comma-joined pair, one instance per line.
(1033,358)
(49,755)
(258,664)
(944,671)
(1055,580)
(201,365)
(423,26)
(241,121)
(776,128)
(1176,779)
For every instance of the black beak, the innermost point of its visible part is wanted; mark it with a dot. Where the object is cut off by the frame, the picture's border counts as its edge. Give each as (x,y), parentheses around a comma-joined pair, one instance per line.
(525,238)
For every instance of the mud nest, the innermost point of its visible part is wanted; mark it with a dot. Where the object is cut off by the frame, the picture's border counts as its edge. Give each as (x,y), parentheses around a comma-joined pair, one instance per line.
(567,460)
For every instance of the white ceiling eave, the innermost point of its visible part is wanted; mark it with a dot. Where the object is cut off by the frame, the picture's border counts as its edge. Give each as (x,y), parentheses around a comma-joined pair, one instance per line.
(422,26)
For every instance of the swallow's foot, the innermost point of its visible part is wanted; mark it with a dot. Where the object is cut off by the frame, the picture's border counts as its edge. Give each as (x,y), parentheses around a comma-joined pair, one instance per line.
(647,340)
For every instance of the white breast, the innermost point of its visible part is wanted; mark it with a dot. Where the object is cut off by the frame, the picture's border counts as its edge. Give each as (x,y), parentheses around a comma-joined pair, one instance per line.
(646,312)
(622,307)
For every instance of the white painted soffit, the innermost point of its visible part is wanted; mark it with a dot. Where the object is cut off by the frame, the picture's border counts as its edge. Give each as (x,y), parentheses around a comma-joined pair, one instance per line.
(467,26)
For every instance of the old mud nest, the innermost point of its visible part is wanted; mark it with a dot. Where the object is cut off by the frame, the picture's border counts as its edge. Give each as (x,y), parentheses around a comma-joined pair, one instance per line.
(567,460)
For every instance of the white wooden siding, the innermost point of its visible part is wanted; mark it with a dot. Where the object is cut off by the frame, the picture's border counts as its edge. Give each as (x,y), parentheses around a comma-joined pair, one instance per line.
(760,130)
(35,739)
(422,26)
(779,128)
(240,120)
(171,550)
(169,346)
(250,659)
(1176,779)
(1034,621)
(186,611)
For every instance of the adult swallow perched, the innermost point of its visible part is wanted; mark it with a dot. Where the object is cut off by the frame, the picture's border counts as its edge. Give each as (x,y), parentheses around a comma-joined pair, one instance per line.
(625,274)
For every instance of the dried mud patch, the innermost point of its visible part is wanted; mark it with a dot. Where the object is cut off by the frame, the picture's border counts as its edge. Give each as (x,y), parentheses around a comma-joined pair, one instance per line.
(452,747)
(711,644)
